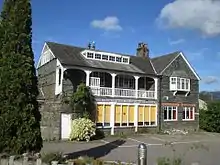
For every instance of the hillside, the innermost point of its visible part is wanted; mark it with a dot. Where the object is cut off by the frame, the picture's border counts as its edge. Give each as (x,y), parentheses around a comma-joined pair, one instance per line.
(209,96)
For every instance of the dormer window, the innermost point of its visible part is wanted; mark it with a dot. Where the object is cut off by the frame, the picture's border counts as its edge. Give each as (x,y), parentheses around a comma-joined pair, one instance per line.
(105,56)
(179,84)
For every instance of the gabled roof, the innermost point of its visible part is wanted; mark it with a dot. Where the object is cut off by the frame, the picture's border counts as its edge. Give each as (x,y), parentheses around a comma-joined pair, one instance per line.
(71,56)
(160,63)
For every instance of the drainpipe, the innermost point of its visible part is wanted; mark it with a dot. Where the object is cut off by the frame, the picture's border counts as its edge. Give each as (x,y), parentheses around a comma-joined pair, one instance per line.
(160,103)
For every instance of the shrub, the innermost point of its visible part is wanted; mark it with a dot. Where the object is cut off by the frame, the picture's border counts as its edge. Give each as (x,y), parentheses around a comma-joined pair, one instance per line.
(82,129)
(209,119)
(53,156)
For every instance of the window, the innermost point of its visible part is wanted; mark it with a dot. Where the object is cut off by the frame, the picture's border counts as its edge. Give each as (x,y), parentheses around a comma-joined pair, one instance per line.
(105,57)
(188,113)
(59,72)
(124,115)
(103,115)
(170,113)
(179,84)
(89,55)
(97,56)
(111,58)
(147,115)
(118,59)
(125,60)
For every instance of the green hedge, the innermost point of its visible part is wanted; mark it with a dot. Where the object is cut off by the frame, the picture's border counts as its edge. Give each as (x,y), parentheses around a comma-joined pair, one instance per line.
(210,118)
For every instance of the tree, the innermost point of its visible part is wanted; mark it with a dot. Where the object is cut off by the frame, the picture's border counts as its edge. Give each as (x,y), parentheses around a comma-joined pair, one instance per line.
(209,119)
(83,101)
(19,110)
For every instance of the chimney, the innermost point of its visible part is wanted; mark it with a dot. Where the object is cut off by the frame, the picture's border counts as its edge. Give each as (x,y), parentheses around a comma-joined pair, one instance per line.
(142,50)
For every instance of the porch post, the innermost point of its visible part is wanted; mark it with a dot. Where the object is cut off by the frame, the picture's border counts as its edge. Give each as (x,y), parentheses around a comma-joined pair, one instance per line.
(87,76)
(136,85)
(156,87)
(112,119)
(113,84)
(136,117)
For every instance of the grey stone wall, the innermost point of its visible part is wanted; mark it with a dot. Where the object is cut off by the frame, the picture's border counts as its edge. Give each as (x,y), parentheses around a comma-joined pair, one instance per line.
(192,98)
(47,79)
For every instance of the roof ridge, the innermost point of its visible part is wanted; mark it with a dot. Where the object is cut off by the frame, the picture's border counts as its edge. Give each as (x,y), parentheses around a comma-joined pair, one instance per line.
(172,53)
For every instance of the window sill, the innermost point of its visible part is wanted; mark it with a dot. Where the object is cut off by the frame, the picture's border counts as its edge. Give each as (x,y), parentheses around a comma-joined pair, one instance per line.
(188,119)
(171,120)
(180,90)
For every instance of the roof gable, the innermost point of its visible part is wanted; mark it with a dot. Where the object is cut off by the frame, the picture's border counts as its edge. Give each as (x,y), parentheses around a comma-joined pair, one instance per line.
(163,62)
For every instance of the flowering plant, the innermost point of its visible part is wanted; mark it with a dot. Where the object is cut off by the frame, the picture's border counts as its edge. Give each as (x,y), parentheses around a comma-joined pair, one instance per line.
(82,129)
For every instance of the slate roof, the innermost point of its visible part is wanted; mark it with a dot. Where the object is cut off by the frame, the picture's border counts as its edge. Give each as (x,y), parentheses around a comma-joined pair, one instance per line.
(161,62)
(70,56)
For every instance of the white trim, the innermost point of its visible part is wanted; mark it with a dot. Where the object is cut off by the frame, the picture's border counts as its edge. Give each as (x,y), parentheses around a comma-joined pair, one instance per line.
(42,54)
(187,62)
(84,53)
(171,113)
(185,110)
(174,87)
(59,87)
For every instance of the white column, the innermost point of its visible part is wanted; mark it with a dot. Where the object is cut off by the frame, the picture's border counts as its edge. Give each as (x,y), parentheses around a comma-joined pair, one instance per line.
(136,85)
(87,76)
(113,84)
(156,87)
(112,119)
(136,117)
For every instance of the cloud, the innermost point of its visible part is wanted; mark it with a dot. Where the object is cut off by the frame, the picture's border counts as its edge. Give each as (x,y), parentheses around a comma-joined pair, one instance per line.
(110,23)
(175,42)
(210,80)
(202,15)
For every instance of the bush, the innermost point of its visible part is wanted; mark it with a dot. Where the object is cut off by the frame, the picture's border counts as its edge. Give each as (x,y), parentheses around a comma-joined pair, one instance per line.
(82,129)
(53,156)
(209,119)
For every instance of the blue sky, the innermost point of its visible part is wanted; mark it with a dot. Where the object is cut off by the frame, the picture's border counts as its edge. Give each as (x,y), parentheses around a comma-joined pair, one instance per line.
(192,26)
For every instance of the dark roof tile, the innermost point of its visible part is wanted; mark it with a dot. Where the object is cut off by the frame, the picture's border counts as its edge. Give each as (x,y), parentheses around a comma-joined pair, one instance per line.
(70,55)
(161,62)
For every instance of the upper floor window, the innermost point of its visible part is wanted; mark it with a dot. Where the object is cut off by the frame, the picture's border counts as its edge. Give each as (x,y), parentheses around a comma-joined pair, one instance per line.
(104,56)
(170,113)
(179,84)
(188,113)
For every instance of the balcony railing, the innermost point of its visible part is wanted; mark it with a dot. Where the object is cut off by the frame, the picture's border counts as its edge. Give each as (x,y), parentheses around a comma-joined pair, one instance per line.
(119,92)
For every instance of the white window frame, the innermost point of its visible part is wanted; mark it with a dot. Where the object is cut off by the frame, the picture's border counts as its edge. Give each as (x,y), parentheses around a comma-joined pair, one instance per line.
(110,57)
(185,109)
(173,108)
(176,84)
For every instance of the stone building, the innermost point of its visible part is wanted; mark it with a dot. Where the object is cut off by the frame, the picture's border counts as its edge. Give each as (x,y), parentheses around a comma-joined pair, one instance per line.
(132,92)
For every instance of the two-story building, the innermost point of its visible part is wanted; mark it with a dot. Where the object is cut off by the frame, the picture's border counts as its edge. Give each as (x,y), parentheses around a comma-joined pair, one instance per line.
(131,92)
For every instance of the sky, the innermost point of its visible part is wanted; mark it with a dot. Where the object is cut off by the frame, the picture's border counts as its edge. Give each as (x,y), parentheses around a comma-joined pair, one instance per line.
(191,26)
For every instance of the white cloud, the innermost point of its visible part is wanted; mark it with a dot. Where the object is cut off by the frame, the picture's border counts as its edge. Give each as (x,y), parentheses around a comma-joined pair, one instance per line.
(202,15)
(210,80)
(110,23)
(175,42)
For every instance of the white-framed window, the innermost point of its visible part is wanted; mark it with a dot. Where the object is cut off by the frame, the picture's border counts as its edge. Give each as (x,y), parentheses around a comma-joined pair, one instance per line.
(179,84)
(188,113)
(170,113)
(105,56)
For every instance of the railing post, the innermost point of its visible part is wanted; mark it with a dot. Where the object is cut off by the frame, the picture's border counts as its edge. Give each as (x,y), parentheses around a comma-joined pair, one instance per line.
(113,84)
(136,85)
(142,154)
(87,76)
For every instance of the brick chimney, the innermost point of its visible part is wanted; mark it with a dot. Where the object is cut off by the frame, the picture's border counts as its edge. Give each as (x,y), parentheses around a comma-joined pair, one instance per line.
(142,50)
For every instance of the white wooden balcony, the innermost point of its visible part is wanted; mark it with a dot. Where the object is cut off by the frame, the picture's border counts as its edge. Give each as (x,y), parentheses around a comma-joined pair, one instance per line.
(119,92)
